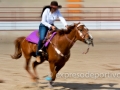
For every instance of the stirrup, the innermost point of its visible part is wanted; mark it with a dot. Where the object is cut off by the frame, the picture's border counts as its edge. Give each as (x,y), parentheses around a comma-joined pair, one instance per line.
(40,50)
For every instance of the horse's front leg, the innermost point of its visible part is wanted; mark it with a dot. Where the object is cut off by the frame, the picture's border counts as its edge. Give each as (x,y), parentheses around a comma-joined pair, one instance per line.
(52,74)
(54,70)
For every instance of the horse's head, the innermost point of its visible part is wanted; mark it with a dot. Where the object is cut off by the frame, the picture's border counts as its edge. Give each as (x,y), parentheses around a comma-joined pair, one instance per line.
(83,33)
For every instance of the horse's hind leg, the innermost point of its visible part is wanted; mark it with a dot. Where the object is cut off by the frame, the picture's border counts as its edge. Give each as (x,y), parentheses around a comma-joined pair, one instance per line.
(34,65)
(28,58)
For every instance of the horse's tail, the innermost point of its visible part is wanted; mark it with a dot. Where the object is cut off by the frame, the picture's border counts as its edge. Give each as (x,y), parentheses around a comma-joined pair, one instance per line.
(18,51)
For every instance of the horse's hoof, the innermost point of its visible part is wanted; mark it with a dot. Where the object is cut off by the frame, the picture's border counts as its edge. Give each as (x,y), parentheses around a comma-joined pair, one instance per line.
(50,85)
(1,81)
(35,80)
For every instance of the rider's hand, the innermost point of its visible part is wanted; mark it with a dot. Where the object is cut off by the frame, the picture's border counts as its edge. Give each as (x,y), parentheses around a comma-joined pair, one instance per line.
(53,28)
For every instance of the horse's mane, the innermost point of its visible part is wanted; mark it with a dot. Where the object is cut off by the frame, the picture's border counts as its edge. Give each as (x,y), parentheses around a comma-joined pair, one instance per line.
(64,31)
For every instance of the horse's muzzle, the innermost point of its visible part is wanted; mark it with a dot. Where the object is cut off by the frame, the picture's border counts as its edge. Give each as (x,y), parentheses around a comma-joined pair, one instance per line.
(89,41)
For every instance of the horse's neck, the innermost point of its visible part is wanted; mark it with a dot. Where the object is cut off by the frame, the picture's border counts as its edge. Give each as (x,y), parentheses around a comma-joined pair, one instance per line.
(65,43)
(71,35)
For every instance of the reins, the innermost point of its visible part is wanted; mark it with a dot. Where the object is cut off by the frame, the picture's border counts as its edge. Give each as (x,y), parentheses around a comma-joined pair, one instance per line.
(73,41)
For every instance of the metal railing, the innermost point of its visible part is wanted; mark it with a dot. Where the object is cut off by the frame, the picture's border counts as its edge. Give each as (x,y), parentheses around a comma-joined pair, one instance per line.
(86,14)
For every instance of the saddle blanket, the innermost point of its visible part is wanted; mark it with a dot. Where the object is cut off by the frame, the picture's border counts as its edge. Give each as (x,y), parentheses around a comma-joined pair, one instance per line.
(34,37)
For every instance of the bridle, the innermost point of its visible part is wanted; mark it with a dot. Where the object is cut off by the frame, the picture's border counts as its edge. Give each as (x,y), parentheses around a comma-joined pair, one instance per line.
(81,34)
(72,41)
(75,39)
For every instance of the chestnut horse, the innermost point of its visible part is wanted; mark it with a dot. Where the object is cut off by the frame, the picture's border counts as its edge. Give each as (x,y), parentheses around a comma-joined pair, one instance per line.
(58,50)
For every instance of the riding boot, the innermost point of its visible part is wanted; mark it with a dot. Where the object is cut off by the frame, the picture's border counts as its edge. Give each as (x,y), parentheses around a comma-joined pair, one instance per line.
(38,59)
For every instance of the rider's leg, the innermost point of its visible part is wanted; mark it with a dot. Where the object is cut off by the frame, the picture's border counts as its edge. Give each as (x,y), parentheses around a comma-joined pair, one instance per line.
(42,32)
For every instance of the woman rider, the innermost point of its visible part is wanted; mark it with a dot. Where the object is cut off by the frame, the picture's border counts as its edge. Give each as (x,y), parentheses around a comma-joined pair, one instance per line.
(49,15)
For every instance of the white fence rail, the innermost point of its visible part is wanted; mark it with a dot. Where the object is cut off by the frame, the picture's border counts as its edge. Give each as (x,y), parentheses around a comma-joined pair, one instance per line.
(94,25)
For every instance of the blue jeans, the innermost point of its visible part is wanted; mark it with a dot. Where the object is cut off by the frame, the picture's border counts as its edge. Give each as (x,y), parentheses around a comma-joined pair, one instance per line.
(42,33)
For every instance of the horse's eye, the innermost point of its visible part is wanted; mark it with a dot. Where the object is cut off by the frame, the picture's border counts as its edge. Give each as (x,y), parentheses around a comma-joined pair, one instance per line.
(81,30)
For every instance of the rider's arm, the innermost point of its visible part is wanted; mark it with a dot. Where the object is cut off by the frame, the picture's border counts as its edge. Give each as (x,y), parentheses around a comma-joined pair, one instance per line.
(44,16)
(62,19)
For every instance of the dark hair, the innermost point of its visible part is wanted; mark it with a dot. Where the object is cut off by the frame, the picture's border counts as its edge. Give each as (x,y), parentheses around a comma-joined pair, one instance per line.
(55,3)
(48,6)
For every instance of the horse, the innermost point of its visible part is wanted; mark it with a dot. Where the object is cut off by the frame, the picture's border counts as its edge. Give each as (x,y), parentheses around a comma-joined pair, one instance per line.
(58,50)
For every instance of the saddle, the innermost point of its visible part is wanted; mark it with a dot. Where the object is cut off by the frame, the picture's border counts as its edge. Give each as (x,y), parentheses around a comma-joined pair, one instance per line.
(34,38)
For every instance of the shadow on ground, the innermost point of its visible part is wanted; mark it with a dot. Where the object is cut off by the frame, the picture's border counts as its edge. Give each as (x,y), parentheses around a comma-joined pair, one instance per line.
(84,86)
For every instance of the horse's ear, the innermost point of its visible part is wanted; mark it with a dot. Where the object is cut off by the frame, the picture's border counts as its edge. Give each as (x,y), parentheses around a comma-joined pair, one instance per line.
(75,24)
(79,22)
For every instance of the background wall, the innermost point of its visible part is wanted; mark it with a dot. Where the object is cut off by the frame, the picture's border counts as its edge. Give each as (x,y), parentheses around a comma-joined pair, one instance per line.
(93,18)
(90,3)
(29,3)
(105,18)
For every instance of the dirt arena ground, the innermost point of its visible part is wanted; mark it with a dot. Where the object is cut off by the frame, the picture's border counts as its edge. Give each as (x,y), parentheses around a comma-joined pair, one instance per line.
(97,70)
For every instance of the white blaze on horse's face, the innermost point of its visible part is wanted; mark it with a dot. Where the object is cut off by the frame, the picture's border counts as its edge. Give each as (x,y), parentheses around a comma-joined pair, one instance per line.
(89,33)
(80,33)
(86,36)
